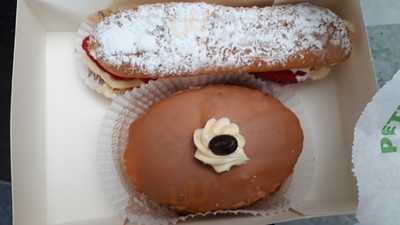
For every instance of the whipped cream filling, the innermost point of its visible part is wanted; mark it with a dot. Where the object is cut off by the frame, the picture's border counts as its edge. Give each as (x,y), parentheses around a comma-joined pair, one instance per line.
(214,128)
(313,74)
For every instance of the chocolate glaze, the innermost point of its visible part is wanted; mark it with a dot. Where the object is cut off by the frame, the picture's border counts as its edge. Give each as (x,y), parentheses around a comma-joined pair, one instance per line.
(159,157)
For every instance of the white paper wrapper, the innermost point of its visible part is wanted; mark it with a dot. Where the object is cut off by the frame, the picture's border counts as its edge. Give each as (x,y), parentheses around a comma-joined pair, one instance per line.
(376,157)
(126,108)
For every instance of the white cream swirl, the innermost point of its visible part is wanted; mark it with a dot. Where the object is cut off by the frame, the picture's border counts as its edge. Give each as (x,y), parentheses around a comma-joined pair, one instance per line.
(313,74)
(213,128)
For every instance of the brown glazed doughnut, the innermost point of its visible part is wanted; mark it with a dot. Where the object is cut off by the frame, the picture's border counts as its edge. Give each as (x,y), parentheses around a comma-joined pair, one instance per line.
(159,158)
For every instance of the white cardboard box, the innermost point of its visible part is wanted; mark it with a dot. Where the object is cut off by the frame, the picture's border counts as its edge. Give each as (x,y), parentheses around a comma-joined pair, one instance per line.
(55,120)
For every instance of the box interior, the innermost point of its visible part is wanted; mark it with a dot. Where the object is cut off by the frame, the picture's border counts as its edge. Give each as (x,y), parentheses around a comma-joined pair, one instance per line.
(56,118)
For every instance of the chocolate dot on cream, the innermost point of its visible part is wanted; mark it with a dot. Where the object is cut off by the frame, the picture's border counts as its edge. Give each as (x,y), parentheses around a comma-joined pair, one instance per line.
(223,144)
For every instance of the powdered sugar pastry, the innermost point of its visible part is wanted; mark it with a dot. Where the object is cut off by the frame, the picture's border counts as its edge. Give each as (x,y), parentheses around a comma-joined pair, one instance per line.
(166,39)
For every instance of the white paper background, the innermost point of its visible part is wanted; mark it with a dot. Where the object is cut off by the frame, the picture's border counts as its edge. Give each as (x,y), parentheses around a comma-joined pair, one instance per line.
(378,174)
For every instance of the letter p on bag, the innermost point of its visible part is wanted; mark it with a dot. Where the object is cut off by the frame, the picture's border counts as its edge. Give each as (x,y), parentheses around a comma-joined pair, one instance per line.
(387,146)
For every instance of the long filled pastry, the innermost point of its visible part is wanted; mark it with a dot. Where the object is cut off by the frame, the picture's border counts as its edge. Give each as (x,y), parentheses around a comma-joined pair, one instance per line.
(286,43)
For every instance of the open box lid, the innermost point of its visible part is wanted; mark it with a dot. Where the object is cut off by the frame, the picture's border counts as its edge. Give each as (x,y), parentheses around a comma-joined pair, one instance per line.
(35,104)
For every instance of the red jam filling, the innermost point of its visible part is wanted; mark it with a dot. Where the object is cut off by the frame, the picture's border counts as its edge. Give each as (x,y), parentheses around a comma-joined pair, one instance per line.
(85,46)
(282,77)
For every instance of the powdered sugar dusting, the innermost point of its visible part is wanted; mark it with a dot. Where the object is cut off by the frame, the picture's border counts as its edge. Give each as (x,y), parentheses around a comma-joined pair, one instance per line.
(173,38)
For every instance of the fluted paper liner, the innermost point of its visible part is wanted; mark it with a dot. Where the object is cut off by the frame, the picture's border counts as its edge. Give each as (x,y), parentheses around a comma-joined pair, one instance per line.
(126,108)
